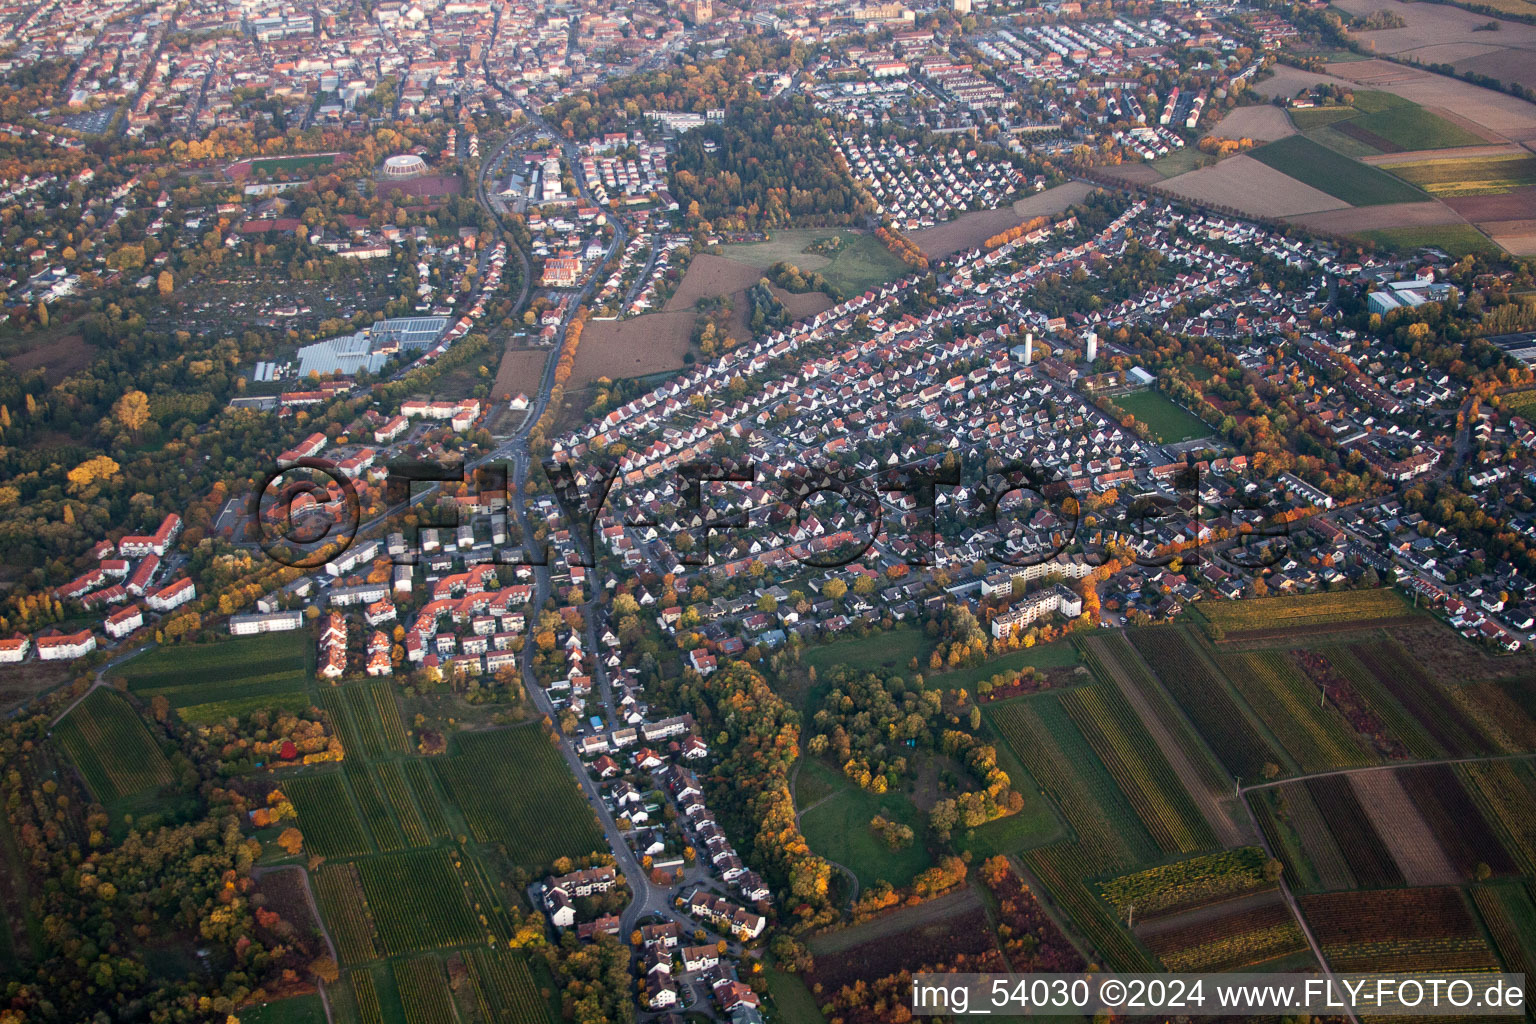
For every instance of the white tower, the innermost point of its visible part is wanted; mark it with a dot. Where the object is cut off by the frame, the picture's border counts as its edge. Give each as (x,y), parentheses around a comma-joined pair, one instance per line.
(1093,346)
(1029,347)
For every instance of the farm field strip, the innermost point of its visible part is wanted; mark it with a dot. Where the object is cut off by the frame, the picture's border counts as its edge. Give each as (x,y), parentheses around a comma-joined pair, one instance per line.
(1504,910)
(340,893)
(1357,838)
(427,798)
(367,996)
(1423,698)
(236,669)
(423,991)
(1229,941)
(1055,754)
(1185,885)
(1406,836)
(1424,929)
(418,901)
(1506,792)
(509,784)
(1327,608)
(1315,737)
(1193,683)
(391,779)
(1324,169)
(1059,869)
(1456,821)
(106,739)
(1492,175)
(331,826)
(1399,722)
(1144,776)
(365,723)
(1130,683)
(1308,870)
(505,987)
(386,834)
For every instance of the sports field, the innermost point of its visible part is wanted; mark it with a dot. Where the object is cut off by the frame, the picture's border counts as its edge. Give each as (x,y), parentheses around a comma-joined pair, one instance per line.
(1336,174)
(1168,421)
(229,677)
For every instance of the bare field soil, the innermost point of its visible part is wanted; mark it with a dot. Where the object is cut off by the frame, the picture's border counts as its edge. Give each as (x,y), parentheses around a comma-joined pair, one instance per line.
(1262,124)
(709,276)
(1507,116)
(633,348)
(804,305)
(1369,218)
(1408,839)
(971,229)
(1288,81)
(1517,205)
(519,372)
(58,357)
(1245,184)
(1519,242)
(1136,174)
(1441,33)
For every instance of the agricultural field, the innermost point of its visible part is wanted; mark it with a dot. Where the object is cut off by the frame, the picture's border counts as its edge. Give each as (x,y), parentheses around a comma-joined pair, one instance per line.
(1398,930)
(366,717)
(1391,124)
(837,827)
(327,816)
(1168,421)
(207,682)
(112,747)
(1186,672)
(1427,703)
(423,989)
(1504,793)
(505,989)
(1138,768)
(1475,176)
(1325,611)
(387,835)
(939,932)
(1456,240)
(1510,917)
(340,893)
(1322,168)
(1185,885)
(1315,737)
(509,784)
(420,901)
(1255,932)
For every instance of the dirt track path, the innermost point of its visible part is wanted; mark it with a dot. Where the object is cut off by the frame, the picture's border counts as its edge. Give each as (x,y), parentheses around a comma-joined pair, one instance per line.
(1209,912)
(1227,832)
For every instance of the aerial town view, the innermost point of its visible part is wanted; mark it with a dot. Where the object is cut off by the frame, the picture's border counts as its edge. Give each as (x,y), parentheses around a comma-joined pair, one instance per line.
(740,511)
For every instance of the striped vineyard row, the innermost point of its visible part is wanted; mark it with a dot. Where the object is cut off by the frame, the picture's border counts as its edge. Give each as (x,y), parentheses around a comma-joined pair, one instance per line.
(505,988)
(1140,770)
(1059,869)
(375,811)
(423,991)
(366,995)
(391,778)
(346,912)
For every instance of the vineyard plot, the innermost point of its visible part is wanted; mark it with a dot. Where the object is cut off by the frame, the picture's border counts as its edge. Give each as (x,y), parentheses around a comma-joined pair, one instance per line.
(113,748)
(340,893)
(419,901)
(505,988)
(327,818)
(423,991)
(510,785)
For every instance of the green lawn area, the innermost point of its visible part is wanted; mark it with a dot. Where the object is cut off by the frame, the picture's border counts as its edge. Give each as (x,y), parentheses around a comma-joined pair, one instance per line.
(295,1010)
(862,262)
(1455,239)
(208,681)
(1167,420)
(1316,117)
(838,829)
(892,649)
(1180,161)
(1334,173)
(1407,125)
(794,1002)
